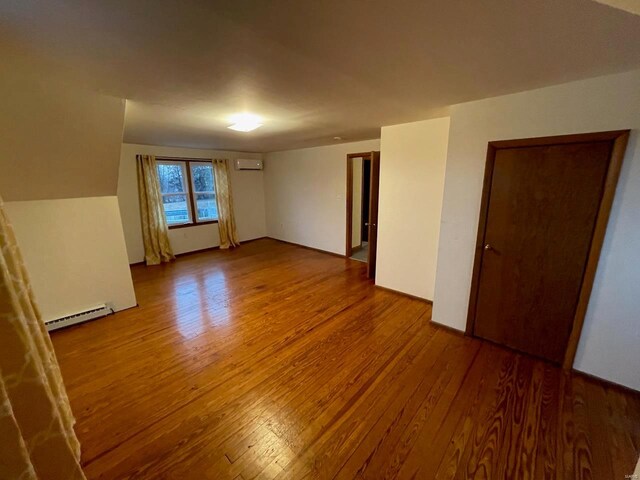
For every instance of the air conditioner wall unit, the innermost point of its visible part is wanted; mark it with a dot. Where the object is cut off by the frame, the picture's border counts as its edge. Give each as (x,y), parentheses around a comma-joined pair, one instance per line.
(248,164)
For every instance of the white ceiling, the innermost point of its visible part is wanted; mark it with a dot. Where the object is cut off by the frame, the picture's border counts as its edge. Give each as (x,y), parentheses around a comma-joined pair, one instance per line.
(312,69)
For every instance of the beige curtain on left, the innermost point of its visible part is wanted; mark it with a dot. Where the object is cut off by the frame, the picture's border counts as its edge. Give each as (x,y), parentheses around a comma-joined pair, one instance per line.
(37,440)
(155,233)
(224,200)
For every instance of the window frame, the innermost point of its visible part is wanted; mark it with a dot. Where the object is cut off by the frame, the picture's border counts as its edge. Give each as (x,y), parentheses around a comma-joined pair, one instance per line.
(185,165)
(194,193)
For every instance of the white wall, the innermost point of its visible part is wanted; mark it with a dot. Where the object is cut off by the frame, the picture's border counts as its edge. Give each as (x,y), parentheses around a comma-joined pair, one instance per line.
(59,154)
(248,201)
(305,193)
(75,253)
(609,344)
(356,211)
(412,166)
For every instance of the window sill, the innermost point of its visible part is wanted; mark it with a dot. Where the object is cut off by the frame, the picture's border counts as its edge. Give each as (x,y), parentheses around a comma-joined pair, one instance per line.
(196,224)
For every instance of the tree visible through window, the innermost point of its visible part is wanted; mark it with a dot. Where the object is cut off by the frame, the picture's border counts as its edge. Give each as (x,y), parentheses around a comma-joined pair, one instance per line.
(188,192)
(204,191)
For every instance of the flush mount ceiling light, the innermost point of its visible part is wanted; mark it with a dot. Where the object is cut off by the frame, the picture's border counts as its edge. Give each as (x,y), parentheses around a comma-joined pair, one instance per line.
(245,122)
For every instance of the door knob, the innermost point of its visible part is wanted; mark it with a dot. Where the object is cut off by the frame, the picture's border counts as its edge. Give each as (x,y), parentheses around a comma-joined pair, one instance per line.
(488,247)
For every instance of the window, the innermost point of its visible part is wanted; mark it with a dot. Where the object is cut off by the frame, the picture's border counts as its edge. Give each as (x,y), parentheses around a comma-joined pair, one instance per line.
(203,191)
(188,192)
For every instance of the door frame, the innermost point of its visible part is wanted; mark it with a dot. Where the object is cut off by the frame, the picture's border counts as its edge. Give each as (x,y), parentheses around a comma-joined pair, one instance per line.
(374,203)
(619,138)
(348,251)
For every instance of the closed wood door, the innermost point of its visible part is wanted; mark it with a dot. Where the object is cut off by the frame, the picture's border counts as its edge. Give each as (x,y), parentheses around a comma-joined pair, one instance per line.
(543,204)
(374,184)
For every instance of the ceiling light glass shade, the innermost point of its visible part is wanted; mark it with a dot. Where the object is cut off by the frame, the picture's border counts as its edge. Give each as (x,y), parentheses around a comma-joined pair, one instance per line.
(244,127)
(245,122)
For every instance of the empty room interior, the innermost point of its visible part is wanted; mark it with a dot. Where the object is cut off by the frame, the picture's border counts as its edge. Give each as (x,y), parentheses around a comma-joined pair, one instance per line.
(339,239)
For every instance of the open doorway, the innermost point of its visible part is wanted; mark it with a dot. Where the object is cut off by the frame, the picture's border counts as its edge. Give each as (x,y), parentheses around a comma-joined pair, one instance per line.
(363,172)
(360,208)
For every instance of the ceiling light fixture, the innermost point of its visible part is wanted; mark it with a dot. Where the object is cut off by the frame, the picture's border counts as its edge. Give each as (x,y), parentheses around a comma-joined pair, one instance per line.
(245,122)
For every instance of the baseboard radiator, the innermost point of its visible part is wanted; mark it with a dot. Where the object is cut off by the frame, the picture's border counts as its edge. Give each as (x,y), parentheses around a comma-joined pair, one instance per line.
(84,316)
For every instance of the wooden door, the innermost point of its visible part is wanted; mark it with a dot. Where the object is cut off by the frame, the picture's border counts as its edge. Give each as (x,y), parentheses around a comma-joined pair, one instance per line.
(374,183)
(542,204)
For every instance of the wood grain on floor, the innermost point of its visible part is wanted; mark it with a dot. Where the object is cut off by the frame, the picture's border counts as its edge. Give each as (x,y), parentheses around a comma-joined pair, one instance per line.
(273,361)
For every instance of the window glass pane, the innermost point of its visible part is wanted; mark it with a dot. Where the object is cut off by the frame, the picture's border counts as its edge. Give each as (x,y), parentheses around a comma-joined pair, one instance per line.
(202,177)
(206,206)
(171,178)
(176,209)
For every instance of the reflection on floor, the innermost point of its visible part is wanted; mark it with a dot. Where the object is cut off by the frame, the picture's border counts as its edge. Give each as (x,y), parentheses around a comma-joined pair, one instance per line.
(362,254)
(272,360)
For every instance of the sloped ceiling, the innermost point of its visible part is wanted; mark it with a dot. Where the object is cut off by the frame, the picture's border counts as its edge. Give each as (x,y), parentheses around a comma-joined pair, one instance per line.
(631,6)
(313,70)
(57,140)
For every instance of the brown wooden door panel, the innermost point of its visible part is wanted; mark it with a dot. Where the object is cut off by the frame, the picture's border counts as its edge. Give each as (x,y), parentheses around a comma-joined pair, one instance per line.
(542,210)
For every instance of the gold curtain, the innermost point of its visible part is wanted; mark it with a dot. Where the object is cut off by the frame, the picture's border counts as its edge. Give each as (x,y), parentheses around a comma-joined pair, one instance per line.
(226,217)
(37,440)
(157,248)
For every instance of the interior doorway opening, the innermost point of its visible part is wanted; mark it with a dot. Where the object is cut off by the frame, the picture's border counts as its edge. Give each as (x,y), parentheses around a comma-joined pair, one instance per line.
(360,209)
(363,171)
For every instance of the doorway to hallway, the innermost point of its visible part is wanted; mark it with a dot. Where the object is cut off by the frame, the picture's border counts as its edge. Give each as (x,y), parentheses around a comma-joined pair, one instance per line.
(363,172)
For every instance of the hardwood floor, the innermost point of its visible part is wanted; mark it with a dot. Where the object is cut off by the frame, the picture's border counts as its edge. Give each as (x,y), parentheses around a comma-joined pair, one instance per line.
(274,361)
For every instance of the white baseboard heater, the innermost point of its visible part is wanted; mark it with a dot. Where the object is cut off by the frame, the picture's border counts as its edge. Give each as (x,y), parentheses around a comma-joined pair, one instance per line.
(84,316)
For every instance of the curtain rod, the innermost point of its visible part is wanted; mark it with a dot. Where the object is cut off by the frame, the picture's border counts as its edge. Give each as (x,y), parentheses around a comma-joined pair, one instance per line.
(184,158)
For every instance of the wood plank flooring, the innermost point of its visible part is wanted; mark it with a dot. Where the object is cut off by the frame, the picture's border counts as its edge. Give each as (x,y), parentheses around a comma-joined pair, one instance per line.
(274,361)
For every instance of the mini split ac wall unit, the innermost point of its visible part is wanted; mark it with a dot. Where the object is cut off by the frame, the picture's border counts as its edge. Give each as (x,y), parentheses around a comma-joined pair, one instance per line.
(247,164)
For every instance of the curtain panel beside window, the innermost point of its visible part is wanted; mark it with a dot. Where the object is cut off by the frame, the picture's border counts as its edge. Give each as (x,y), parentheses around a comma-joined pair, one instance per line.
(155,233)
(226,217)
